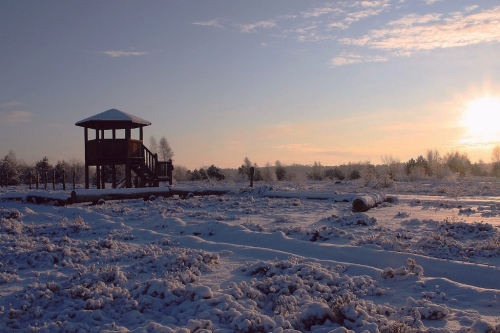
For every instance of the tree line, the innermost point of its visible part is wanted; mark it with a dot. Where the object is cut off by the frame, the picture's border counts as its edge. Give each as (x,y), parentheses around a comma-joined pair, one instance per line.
(17,172)
(430,165)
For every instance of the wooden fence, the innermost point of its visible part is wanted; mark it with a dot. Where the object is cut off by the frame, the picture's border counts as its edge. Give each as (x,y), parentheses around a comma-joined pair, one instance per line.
(38,180)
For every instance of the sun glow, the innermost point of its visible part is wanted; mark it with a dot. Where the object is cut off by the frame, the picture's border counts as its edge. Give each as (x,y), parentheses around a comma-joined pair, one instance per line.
(482,120)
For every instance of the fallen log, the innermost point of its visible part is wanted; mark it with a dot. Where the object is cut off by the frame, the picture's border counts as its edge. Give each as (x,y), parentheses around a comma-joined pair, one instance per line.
(365,202)
(311,195)
(59,199)
(79,196)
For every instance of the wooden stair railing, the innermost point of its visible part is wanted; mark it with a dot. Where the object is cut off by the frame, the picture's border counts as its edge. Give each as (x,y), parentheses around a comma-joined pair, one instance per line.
(156,170)
(150,160)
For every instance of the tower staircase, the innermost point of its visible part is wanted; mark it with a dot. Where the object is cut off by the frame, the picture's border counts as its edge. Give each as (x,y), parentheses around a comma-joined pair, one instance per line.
(150,171)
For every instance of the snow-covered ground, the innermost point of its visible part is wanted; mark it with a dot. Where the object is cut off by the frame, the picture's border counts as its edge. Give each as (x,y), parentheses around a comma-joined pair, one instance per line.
(245,262)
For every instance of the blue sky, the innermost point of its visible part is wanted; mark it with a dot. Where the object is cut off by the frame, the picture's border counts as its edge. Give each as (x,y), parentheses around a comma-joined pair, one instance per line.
(298,81)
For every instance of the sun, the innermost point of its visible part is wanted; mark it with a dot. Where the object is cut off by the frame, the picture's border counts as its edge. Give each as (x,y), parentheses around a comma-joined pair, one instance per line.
(482,120)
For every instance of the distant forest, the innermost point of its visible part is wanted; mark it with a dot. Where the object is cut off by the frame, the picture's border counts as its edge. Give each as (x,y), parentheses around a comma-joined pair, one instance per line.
(431,165)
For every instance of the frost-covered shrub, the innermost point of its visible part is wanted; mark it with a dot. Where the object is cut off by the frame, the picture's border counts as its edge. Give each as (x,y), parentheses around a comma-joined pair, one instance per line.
(10,213)
(308,295)
(353,219)
(355,174)
(412,268)
(384,240)
(447,240)
(463,240)
(334,173)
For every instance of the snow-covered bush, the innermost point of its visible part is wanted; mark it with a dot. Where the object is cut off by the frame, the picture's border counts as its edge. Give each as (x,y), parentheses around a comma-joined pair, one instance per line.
(412,268)
(10,213)
(353,219)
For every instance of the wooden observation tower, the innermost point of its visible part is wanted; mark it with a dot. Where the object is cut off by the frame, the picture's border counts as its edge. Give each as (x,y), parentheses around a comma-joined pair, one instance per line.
(118,148)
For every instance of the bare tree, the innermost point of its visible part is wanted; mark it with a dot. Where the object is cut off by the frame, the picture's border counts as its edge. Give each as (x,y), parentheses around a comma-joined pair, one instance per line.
(496,161)
(393,166)
(267,174)
(316,171)
(495,157)
(153,145)
(436,167)
(78,168)
(165,151)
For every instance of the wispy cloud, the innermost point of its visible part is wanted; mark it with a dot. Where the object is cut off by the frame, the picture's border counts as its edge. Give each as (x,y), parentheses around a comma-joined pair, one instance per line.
(430,2)
(339,15)
(292,146)
(343,14)
(404,36)
(121,53)
(10,104)
(252,27)
(471,8)
(359,11)
(413,19)
(354,58)
(212,23)
(426,32)
(319,11)
(15,117)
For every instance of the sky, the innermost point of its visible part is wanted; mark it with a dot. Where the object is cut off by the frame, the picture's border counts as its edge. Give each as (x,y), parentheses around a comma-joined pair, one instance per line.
(295,81)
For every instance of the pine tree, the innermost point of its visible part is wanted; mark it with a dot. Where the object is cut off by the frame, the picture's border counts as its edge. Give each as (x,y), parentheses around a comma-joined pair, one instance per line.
(43,165)
(10,169)
(280,171)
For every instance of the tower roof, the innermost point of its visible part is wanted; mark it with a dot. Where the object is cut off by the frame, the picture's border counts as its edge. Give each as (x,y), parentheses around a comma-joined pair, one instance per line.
(113,119)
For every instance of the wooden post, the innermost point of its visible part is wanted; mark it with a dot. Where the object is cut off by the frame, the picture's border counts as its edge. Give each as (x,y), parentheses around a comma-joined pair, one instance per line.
(64,180)
(103,167)
(30,180)
(46,179)
(98,166)
(143,176)
(74,179)
(170,168)
(87,182)
(114,166)
(157,169)
(101,153)
(37,179)
(128,175)
(98,176)
(252,170)
(103,179)
(114,175)
(54,180)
